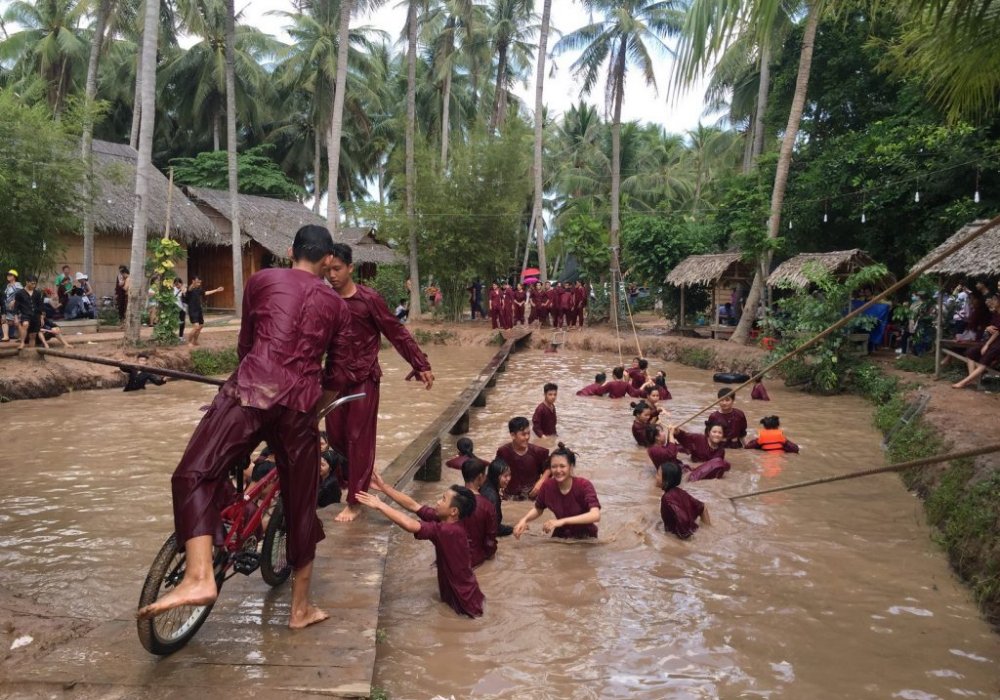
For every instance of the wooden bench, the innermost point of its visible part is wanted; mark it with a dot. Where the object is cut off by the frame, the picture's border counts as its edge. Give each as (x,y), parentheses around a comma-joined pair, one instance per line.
(82,325)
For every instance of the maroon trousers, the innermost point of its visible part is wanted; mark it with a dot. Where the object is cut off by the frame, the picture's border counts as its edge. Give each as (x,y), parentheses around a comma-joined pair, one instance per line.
(352,431)
(226,435)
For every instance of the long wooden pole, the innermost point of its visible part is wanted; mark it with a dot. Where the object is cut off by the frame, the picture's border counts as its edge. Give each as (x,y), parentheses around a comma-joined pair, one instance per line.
(988,449)
(174,373)
(947,252)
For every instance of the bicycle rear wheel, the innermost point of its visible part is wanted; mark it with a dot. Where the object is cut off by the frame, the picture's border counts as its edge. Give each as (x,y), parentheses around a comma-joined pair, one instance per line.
(166,633)
(274,566)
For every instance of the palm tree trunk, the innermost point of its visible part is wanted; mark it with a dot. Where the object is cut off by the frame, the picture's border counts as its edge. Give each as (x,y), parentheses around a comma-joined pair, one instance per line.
(495,118)
(536,208)
(763,87)
(742,332)
(381,181)
(445,119)
(411,170)
(87,140)
(337,119)
(143,169)
(231,146)
(133,134)
(317,175)
(216,134)
(616,177)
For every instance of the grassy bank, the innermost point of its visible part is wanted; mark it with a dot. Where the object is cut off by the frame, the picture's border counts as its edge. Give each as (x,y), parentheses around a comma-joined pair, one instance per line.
(961,499)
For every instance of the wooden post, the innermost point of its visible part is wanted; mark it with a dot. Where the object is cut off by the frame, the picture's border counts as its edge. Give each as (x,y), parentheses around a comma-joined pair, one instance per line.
(939,332)
(492,381)
(461,426)
(480,400)
(170,201)
(431,469)
(682,309)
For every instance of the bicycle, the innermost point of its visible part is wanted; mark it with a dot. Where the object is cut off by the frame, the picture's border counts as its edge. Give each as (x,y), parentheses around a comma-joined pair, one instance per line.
(242,551)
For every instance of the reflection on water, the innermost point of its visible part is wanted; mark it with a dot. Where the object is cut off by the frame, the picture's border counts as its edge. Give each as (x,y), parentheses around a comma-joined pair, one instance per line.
(830,592)
(85,483)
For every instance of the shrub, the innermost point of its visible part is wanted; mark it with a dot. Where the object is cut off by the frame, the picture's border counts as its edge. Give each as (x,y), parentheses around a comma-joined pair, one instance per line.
(209,362)
(702,358)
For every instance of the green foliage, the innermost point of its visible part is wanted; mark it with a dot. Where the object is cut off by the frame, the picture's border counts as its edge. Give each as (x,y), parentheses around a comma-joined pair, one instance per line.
(587,239)
(920,365)
(825,365)
(425,337)
(40,173)
(871,382)
(210,362)
(702,358)
(162,256)
(108,316)
(258,174)
(390,282)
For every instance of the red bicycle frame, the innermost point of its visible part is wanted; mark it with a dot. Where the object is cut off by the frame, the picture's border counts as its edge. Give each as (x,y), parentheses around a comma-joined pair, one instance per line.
(235,514)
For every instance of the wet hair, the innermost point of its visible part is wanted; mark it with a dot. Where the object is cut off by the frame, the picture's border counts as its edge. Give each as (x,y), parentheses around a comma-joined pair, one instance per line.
(496,469)
(671,472)
(550,387)
(600,377)
(618,372)
(563,451)
(311,243)
(643,363)
(758,378)
(660,380)
(517,424)
(343,253)
(709,424)
(464,446)
(770,422)
(472,469)
(638,407)
(464,500)
(723,393)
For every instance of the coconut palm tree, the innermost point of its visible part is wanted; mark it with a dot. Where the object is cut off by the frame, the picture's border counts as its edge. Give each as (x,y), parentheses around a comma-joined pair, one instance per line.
(512,30)
(236,242)
(625,34)
(143,170)
(337,117)
(536,207)
(411,170)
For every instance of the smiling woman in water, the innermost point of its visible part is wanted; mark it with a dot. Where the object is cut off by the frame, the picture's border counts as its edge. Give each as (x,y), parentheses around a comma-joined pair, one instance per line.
(572,499)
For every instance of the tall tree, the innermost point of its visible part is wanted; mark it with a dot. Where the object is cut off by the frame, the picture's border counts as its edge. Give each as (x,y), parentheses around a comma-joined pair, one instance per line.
(536,208)
(337,118)
(625,34)
(512,25)
(143,170)
(411,169)
(231,147)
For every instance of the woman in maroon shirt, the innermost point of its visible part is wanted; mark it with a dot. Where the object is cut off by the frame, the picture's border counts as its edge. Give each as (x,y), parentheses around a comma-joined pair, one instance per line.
(708,448)
(643,427)
(496,302)
(572,499)
(664,451)
(679,510)
(520,296)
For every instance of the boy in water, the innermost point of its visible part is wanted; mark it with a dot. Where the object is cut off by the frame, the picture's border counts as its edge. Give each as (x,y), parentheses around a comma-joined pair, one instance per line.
(529,464)
(137,378)
(679,509)
(732,420)
(595,389)
(456,580)
(618,387)
(543,422)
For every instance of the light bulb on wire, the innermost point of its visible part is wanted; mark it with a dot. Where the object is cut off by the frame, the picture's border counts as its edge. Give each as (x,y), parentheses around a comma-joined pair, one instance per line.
(916,196)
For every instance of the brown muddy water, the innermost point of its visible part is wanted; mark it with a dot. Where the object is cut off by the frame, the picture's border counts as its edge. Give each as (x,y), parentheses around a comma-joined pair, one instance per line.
(835,591)
(85,478)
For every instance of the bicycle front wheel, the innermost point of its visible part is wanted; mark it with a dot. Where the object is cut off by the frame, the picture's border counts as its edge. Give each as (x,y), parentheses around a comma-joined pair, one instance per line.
(274,566)
(168,632)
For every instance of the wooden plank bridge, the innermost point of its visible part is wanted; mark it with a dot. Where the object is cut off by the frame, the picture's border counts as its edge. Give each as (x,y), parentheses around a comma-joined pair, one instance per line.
(245,644)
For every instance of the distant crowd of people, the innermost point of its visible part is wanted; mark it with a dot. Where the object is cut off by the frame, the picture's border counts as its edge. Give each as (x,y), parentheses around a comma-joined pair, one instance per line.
(559,305)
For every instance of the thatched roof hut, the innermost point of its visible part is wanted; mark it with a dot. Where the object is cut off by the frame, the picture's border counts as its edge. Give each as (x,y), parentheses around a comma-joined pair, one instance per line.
(708,269)
(114,203)
(273,222)
(981,258)
(840,263)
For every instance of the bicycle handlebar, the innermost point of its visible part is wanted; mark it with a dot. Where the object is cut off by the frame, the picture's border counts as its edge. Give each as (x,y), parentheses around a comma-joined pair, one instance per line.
(342,400)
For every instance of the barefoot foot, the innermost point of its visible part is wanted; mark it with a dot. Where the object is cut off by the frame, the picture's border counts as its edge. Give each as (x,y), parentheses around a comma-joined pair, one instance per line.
(349,514)
(199,593)
(310,616)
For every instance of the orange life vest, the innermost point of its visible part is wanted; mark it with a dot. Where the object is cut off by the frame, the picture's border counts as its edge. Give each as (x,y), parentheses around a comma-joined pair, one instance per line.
(771,440)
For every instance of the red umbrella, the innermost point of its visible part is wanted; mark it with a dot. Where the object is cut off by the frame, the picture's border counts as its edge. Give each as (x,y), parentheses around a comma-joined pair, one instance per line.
(530,271)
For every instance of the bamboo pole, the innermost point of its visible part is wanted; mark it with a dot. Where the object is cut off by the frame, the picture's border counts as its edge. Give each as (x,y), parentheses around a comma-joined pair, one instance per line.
(902,466)
(175,374)
(947,252)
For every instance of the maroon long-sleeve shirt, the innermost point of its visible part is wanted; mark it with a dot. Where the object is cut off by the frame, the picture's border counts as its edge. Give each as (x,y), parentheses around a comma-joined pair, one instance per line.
(524,468)
(372,319)
(456,581)
(480,527)
(680,512)
(287,315)
(543,421)
(697,446)
(734,425)
(594,389)
(619,388)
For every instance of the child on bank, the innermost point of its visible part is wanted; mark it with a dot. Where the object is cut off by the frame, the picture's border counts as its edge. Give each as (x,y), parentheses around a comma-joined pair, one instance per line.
(456,581)
(679,510)
(771,438)
(732,420)
(572,499)
(543,421)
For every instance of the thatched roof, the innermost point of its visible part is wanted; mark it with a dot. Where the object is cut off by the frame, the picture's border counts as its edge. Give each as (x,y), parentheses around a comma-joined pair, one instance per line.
(840,263)
(273,223)
(114,201)
(981,258)
(707,269)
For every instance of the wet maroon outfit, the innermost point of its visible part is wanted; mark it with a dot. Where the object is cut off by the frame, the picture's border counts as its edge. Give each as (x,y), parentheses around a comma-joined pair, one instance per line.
(495,307)
(290,319)
(580,499)
(543,421)
(507,309)
(680,512)
(714,459)
(524,469)
(480,528)
(594,389)
(456,581)
(665,394)
(642,432)
(734,425)
(759,393)
(519,299)
(637,377)
(662,454)
(352,428)
(619,388)
(457,461)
